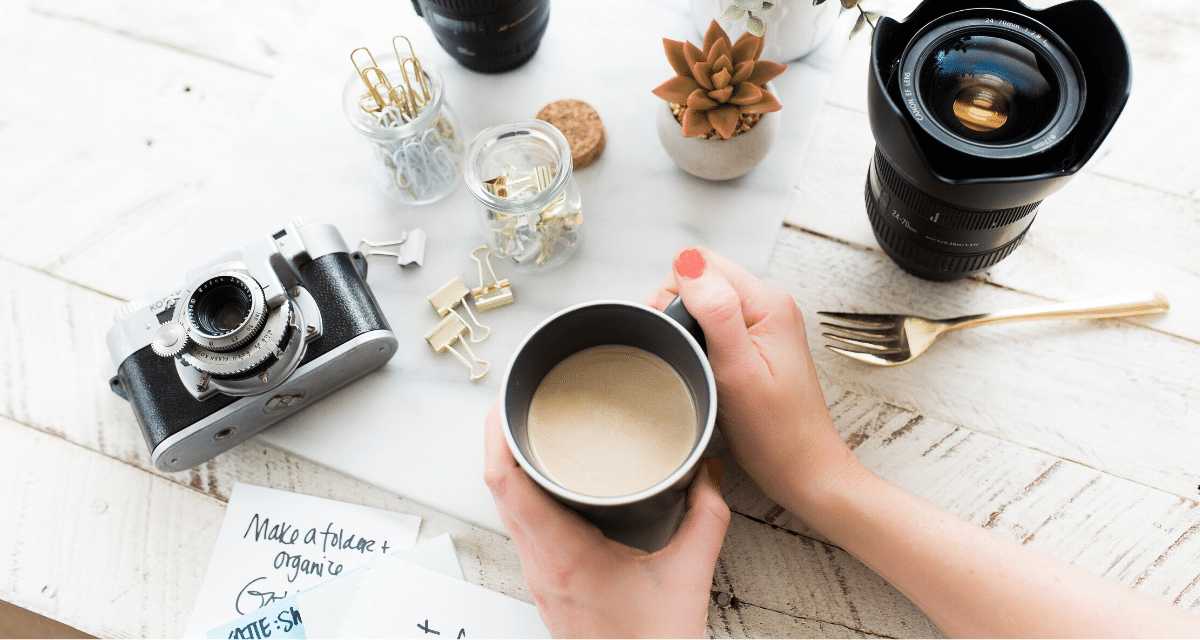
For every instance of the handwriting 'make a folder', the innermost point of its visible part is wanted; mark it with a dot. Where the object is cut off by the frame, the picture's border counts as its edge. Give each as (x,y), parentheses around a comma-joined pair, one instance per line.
(274,544)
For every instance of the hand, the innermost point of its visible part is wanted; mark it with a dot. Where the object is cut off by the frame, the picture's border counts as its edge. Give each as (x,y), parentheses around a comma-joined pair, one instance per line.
(586,585)
(770,407)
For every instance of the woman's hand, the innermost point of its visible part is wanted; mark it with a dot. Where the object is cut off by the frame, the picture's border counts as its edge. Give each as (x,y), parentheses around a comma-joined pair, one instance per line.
(771,410)
(586,585)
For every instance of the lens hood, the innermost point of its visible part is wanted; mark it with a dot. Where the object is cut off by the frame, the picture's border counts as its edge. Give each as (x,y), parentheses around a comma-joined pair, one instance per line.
(975,180)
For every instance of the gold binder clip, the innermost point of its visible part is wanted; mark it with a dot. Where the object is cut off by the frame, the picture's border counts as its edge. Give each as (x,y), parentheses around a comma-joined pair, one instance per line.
(490,295)
(451,294)
(449,331)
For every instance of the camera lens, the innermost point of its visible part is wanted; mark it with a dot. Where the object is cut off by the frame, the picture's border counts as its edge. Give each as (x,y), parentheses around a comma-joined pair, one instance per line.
(487,35)
(222,309)
(978,114)
(996,89)
(225,311)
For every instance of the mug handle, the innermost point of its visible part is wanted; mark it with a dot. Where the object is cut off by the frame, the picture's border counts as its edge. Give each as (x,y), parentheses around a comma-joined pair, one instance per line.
(679,313)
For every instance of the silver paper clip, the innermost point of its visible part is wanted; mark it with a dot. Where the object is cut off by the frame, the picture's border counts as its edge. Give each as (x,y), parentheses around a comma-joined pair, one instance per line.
(490,295)
(451,294)
(449,331)
(410,248)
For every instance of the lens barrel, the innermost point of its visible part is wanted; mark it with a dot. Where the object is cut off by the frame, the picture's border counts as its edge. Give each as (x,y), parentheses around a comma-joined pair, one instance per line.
(979,112)
(933,239)
(225,311)
(487,35)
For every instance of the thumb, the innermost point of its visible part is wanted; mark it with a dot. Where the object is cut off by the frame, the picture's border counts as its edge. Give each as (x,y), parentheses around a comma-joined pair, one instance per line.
(702,532)
(712,300)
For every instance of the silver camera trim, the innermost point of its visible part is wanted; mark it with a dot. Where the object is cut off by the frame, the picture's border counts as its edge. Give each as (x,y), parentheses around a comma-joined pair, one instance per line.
(249,415)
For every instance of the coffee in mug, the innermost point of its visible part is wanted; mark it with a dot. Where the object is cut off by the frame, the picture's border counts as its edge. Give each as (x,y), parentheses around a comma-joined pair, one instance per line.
(611,420)
(609,407)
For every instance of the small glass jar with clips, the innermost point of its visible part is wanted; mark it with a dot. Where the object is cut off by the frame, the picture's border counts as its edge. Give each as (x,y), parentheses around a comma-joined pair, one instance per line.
(399,106)
(532,211)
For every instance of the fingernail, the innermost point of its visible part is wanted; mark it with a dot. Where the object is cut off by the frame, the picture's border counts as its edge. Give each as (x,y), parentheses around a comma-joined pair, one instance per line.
(715,471)
(690,264)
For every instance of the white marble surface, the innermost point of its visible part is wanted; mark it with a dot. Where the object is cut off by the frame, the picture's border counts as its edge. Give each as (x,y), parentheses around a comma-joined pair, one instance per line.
(415,427)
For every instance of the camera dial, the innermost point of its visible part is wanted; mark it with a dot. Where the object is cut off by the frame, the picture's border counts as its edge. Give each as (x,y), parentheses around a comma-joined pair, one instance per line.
(225,311)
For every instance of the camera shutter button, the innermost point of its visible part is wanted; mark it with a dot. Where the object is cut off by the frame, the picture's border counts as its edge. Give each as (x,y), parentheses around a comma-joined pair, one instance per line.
(169,340)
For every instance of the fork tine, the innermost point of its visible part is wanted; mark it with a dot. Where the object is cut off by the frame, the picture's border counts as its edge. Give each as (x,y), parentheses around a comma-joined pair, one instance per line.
(869,346)
(861,357)
(868,319)
(870,333)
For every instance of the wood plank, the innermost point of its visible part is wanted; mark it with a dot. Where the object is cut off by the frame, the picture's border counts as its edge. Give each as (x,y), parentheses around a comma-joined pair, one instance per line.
(744,620)
(1098,236)
(779,571)
(1048,386)
(172,112)
(96,544)
(1137,536)
(85,214)
(251,35)
(116,551)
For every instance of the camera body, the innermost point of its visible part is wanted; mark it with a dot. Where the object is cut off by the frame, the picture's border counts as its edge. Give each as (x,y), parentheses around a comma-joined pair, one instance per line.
(254,336)
(980,110)
(487,35)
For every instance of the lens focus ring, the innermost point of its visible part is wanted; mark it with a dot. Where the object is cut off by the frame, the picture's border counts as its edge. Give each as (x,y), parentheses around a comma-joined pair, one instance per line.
(225,311)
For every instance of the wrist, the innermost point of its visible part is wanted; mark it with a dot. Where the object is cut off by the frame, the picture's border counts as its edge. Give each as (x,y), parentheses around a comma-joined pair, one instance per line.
(821,488)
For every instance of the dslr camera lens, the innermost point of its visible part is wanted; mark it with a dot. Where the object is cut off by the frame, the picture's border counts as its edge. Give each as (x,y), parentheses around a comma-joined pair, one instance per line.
(487,35)
(979,113)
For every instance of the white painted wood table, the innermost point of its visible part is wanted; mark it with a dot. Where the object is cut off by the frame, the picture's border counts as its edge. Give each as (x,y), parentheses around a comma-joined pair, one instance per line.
(1081,440)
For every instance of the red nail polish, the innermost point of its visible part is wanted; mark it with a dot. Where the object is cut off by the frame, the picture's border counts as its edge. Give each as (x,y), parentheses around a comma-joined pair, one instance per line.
(690,264)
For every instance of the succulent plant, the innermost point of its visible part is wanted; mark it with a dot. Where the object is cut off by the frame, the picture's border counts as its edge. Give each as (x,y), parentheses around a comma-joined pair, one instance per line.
(719,87)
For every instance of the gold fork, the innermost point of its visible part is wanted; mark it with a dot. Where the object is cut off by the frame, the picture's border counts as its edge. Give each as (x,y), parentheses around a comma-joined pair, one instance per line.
(892,339)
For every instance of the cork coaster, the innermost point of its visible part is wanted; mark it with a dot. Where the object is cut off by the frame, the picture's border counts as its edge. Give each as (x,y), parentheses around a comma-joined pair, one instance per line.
(580,125)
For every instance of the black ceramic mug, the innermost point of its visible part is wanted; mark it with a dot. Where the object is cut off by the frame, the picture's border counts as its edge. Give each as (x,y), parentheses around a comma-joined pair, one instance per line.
(647,518)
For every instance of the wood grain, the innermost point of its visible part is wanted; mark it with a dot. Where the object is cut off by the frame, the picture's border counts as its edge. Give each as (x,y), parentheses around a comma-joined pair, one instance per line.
(1106,479)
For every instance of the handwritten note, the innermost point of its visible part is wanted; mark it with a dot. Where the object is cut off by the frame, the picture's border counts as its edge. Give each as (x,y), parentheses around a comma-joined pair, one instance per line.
(274,544)
(324,606)
(399,599)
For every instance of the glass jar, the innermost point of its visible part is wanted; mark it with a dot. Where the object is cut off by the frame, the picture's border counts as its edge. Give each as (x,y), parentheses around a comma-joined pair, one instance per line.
(414,158)
(532,211)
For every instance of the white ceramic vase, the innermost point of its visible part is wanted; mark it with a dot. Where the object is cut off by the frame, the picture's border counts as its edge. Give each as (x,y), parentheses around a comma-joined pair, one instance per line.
(793,27)
(716,159)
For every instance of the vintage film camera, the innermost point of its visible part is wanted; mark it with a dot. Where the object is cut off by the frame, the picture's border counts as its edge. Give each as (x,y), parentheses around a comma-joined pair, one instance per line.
(255,336)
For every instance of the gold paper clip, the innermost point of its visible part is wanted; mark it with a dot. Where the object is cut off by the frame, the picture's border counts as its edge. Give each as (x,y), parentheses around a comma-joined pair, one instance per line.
(451,294)
(449,331)
(421,81)
(496,294)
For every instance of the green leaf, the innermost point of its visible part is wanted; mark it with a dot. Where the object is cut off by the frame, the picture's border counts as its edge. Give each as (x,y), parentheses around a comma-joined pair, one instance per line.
(734,12)
(755,26)
(859,23)
(767,6)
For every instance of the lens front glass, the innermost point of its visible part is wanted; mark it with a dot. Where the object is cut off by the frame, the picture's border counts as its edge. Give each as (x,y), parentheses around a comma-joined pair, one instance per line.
(988,89)
(221,308)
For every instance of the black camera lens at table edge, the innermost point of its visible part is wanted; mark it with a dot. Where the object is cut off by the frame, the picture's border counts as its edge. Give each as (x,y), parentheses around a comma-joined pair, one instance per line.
(489,36)
(979,113)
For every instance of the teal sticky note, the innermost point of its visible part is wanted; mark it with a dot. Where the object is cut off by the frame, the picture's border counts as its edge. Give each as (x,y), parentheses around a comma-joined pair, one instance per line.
(275,620)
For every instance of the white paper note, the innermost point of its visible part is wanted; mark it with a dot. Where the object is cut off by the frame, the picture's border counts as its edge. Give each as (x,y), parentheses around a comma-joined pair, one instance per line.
(324,607)
(399,599)
(274,544)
